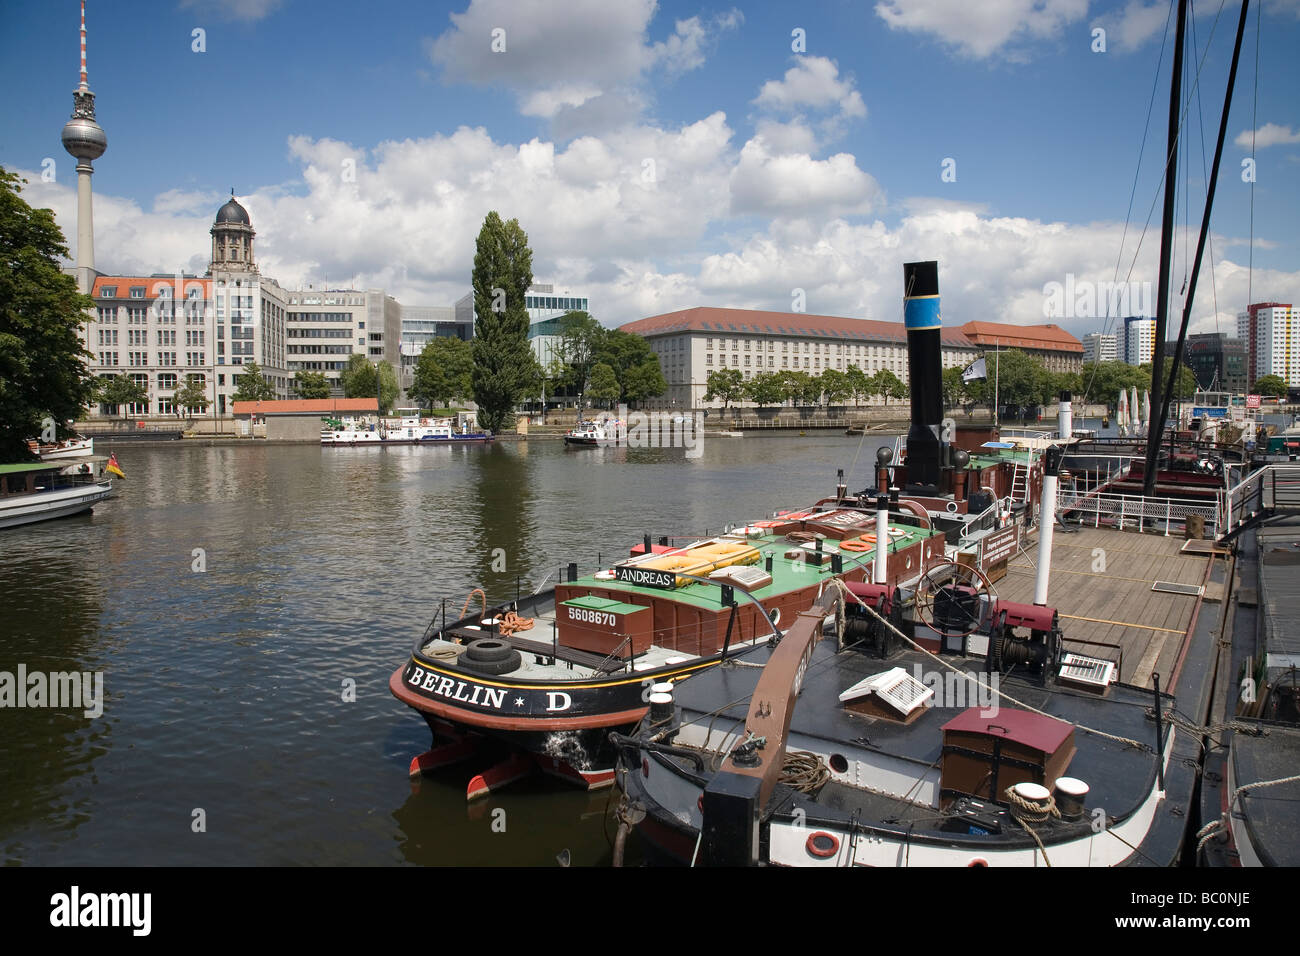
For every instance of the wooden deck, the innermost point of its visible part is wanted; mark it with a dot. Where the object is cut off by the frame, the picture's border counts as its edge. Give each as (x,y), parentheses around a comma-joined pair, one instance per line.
(1116,605)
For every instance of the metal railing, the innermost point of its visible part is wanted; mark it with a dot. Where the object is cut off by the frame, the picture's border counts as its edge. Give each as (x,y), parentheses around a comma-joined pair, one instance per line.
(1136,511)
(1271,489)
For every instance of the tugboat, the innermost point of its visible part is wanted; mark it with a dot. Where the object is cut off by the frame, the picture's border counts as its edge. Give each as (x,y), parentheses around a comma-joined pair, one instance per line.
(950,724)
(554,673)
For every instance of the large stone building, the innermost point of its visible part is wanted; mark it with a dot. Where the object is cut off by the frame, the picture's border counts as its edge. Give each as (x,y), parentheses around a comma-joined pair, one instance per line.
(694,342)
(1057,349)
(163,330)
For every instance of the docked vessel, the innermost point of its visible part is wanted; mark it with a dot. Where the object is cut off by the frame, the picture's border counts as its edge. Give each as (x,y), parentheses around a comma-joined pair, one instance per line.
(554,673)
(590,433)
(68,448)
(954,723)
(406,430)
(42,491)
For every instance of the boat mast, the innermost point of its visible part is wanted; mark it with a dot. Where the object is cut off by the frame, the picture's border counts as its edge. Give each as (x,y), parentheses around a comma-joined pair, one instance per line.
(1205,222)
(1158,397)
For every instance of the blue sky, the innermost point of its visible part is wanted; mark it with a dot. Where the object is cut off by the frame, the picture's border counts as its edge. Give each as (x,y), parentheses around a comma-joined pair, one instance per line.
(671,155)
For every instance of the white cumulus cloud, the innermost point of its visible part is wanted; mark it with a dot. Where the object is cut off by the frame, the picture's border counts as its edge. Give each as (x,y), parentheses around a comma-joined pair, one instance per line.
(989,26)
(1270,134)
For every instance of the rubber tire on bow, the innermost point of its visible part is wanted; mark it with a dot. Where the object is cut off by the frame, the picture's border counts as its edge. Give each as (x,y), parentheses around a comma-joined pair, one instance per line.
(488,649)
(492,667)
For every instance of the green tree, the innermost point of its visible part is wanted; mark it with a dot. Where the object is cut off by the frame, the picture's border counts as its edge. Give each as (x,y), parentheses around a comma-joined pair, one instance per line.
(122,391)
(1101,381)
(859,383)
(643,381)
(1273,385)
(190,396)
(837,386)
(358,381)
(43,368)
(581,338)
(1019,377)
(443,371)
(954,389)
(503,271)
(634,362)
(311,385)
(765,388)
(888,385)
(727,384)
(603,385)
(252,385)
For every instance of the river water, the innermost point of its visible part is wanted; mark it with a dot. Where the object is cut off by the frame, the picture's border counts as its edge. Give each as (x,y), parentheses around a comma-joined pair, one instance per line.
(236,598)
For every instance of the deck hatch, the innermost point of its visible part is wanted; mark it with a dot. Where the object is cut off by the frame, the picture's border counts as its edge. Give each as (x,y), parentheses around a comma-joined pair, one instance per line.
(1091,672)
(895,687)
(1173,587)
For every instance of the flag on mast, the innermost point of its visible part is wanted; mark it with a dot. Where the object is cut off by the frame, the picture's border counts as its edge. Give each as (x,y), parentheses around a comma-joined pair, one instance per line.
(113,467)
(975,370)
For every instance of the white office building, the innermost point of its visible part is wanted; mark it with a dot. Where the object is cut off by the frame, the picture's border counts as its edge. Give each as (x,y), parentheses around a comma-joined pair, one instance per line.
(1139,340)
(1100,347)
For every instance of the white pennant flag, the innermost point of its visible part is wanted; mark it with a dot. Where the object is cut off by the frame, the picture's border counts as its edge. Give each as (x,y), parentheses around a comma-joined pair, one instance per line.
(975,370)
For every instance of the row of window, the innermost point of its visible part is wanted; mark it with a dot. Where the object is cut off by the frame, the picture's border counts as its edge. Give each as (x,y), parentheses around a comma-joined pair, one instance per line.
(809,362)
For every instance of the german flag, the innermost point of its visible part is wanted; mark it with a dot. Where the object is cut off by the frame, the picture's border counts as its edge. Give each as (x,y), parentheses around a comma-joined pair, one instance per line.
(113,467)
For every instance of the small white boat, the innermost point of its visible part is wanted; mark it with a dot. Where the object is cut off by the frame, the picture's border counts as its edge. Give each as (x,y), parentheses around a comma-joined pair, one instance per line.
(69,448)
(593,433)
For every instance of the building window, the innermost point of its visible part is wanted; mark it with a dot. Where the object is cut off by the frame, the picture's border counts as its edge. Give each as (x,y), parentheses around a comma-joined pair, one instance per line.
(137,292)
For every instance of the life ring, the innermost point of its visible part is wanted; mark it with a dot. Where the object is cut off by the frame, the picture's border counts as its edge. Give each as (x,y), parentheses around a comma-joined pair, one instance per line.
(977,861)
(823,845)
(857,544)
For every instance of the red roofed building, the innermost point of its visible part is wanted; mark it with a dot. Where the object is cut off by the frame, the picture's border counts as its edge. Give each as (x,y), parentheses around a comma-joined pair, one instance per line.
(299,419)
(694,342)
(1056,348)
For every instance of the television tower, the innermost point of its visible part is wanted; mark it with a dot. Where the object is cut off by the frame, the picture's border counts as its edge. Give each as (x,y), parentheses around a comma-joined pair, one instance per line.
(84,139)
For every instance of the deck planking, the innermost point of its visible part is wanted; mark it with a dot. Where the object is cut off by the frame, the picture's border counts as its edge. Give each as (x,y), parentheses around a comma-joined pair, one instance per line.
(1149,626)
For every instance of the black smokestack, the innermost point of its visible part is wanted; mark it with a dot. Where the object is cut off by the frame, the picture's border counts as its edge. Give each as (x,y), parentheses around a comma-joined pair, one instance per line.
(925,370)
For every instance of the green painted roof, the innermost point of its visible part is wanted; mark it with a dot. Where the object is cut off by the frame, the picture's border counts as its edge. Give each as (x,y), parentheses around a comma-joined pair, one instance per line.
(33,466)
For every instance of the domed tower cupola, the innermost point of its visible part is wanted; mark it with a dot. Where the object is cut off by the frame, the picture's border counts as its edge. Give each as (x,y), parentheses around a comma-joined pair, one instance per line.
(232,239)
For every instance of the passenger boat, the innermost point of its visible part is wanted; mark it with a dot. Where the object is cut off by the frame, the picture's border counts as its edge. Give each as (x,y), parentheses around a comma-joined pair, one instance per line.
(407,430)
(41,491)
(952,723)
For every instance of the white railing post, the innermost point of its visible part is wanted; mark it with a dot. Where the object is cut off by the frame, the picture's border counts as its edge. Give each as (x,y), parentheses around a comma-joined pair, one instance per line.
(1169,509)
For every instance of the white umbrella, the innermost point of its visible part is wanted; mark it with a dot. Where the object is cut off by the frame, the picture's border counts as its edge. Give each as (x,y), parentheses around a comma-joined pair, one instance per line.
(1146,411)
(1121,413)
(1134,410)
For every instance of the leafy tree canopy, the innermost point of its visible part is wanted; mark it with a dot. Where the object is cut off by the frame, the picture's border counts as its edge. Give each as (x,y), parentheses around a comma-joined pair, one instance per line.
(43,369)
